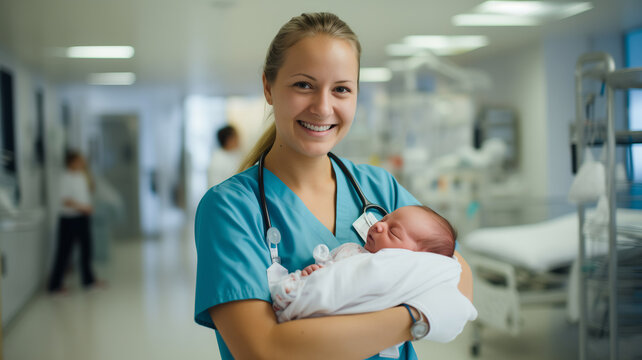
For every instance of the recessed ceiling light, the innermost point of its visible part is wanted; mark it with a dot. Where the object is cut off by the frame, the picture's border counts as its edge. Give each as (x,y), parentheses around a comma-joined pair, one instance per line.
(438,41)
(574,9)
(517,8)
(446,45)
(100,52)
(375,74)
(112,78)
(493,20)
(402,50)
(519,13)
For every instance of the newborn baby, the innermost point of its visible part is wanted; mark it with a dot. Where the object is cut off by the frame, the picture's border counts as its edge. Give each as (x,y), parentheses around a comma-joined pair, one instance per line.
(416,228)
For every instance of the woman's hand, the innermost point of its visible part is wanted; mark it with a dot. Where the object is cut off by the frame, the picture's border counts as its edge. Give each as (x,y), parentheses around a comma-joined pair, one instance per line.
(466,278)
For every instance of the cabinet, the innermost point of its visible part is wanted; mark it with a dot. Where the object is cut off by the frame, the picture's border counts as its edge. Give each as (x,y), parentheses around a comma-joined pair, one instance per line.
(22,244)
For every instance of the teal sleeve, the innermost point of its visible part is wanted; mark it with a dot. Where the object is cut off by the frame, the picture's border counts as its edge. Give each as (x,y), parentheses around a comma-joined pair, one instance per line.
(232,256)
(383,187)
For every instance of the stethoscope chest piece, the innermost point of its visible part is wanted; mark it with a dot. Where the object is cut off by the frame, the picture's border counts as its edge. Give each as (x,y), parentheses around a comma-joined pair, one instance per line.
(274,238)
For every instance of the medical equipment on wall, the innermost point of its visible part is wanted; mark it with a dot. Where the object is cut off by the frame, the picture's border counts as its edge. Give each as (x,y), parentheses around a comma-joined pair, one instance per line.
(499,123)
(609,283)
(272,234)
(456,183)
(427,103)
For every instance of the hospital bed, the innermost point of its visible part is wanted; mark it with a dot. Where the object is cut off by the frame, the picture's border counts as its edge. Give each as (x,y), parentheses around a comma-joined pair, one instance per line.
(514,266)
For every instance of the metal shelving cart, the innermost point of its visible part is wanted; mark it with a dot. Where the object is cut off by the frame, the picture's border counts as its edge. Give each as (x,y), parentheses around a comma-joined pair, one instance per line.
(611,279)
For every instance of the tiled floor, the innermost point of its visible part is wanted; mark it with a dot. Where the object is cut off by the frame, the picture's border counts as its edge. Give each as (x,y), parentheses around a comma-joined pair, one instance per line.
(146,313)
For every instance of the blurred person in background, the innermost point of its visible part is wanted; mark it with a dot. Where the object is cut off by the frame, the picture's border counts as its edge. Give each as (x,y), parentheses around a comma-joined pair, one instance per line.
(74,222)
(226,158)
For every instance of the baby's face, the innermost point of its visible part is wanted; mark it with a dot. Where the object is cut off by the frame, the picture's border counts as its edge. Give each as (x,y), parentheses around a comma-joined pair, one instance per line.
(400,229)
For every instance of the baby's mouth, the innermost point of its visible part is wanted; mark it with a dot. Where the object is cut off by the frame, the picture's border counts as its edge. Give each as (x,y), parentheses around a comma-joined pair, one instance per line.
(369,241)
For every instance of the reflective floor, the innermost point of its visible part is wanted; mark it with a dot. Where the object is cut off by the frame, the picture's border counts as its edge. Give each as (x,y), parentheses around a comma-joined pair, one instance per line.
(146,312)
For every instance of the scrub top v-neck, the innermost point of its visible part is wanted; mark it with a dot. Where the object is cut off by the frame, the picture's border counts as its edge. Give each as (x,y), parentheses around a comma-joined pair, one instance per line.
(232,251)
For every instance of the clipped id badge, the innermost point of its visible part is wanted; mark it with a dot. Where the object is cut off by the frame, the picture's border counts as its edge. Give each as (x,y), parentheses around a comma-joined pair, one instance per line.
(363,224)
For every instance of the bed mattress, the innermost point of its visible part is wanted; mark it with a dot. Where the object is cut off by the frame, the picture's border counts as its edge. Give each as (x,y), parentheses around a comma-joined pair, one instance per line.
(543,246)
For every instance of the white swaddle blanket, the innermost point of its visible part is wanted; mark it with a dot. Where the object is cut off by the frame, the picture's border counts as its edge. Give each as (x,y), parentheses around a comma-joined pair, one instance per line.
(368,282)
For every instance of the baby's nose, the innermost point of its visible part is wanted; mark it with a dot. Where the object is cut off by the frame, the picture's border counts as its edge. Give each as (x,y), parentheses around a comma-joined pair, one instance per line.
(378,226)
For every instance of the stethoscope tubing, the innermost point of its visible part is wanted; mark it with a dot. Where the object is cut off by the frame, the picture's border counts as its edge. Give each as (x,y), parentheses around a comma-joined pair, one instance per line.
(264,210)
(367,205)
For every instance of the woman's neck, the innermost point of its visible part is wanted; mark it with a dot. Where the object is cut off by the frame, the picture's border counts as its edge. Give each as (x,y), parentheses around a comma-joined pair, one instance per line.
(297,171)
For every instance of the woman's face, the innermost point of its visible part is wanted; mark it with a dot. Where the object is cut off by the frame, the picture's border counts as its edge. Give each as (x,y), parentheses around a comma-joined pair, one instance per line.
(314,95)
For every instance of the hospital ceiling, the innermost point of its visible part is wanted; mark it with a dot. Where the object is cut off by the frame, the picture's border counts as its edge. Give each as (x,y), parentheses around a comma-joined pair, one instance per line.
(217,46)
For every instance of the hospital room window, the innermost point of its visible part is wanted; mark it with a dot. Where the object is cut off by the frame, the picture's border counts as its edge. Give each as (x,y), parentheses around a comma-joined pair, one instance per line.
(633,49)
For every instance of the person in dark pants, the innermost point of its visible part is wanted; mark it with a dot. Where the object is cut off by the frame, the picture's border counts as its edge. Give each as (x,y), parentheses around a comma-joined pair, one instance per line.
(75,222)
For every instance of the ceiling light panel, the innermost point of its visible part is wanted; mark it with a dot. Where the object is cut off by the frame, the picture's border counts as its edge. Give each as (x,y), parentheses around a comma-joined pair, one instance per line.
(402,50)
(112,78)
(518,8)
(493,20)
(375,74)
(574,9)
(519,13)
(100,52)
(438,41)
(446,45)
(537,9)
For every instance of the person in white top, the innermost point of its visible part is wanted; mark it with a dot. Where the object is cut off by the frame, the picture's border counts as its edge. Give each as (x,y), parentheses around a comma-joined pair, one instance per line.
(74,223)
(225,159)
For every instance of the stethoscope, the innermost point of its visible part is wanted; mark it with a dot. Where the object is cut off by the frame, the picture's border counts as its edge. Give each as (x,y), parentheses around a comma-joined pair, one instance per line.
(273,235)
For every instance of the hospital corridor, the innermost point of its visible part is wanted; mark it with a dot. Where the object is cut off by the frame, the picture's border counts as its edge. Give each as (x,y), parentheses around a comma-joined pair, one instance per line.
(241,179)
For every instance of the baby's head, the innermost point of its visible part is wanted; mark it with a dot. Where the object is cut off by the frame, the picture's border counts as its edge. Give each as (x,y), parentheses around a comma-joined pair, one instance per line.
(416,228)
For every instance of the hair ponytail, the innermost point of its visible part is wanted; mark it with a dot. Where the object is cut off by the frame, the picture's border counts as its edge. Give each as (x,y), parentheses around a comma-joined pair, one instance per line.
(264,143)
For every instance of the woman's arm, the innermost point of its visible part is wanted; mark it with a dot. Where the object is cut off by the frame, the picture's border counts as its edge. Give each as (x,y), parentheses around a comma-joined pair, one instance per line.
(466,278)
(250,330)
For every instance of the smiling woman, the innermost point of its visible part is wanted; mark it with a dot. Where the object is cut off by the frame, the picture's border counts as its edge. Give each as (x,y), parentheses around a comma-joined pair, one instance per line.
(311,79)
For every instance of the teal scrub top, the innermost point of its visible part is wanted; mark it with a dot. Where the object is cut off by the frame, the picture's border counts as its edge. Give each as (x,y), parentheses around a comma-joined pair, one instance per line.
(232,251)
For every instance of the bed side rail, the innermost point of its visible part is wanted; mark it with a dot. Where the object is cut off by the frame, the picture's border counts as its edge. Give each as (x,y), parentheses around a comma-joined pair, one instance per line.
(495,293)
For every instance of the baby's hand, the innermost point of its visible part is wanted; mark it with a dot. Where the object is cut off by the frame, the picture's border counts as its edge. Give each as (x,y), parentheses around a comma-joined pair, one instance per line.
(310,269)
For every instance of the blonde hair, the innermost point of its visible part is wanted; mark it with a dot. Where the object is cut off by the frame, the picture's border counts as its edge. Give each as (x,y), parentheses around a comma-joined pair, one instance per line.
(298,28)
